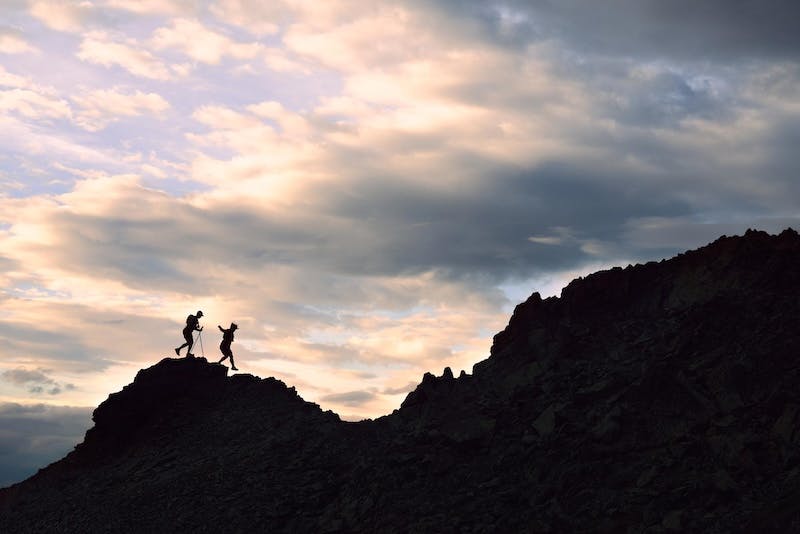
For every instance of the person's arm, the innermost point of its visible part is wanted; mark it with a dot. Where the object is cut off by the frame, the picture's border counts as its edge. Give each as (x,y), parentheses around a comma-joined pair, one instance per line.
(220,328)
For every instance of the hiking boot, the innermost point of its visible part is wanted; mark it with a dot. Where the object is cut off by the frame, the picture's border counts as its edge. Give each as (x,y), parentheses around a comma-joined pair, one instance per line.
(234,369)
(189,355)
(178,352)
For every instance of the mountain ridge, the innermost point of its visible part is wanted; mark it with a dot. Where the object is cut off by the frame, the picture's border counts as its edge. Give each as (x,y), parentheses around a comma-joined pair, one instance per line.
(659,397)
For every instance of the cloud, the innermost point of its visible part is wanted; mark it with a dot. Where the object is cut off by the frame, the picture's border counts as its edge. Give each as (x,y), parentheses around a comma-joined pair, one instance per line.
(98,108)
(74,342)
(260,18)
(10,80)
(402,390)
(546,240)
(22,376)
(101,49)
(12,42)
(279,60)
(21,97)
(24,98)
(682,29)
(659,98)
(155,7)
(35,381)
(223,118)
(200,43)
(34,435)
(29,141)
(350,398)
(377,36)
(62,15)
(264,18)
(33,105)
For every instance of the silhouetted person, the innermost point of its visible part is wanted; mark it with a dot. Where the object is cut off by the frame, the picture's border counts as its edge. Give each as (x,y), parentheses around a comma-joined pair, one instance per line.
(225,345)
(192,324)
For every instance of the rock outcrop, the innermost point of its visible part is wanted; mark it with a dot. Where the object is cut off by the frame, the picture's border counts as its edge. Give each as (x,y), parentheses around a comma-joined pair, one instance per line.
(656,398)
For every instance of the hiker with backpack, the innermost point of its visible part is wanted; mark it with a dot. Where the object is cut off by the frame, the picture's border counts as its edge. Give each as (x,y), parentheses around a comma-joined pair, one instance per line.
(225,345)
(192,324)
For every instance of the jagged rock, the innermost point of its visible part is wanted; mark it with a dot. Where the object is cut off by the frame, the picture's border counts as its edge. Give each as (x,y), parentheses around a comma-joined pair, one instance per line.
(608,429)
(786,425)
(672,521)
(468,430)
(723,481)
(657,398)
(546,422)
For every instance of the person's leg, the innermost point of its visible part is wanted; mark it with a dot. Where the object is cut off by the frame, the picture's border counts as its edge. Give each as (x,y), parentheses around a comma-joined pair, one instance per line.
(226,353)
(233,365)
(187,335)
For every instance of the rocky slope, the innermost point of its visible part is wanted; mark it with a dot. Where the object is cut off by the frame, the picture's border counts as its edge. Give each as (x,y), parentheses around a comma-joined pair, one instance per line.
(661,397)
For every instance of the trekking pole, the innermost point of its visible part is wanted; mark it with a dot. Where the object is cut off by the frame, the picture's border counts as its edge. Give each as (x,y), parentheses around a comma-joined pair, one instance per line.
(200,337)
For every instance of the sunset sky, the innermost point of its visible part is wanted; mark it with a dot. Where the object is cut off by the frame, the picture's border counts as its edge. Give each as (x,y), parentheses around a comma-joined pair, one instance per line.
(366,188)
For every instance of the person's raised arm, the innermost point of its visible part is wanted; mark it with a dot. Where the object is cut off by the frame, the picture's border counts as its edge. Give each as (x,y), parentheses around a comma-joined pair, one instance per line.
(220,328)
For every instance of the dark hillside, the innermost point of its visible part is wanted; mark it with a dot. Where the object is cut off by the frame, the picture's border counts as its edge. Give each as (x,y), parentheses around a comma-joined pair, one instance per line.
(657,398)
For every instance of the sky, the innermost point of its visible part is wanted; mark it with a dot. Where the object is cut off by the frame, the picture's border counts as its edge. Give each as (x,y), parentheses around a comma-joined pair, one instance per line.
(366,188)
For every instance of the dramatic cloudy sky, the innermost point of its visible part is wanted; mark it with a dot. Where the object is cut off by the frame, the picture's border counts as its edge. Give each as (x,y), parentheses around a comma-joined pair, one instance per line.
(366,188)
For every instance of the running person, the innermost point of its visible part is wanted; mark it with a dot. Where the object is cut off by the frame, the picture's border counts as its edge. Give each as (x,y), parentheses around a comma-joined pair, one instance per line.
(192,324)
(225,345)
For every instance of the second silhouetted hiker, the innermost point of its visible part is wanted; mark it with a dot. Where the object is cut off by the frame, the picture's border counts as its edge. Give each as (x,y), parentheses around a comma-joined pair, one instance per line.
(192,324)
(225,345)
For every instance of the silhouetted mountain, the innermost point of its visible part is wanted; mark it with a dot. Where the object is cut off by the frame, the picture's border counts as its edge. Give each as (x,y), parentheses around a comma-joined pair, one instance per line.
(661,397)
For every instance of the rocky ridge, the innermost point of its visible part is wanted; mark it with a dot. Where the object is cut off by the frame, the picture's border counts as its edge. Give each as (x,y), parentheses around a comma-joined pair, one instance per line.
(657,398)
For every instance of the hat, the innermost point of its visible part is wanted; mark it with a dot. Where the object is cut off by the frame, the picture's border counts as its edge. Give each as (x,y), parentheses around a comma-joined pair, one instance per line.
(234,326)
(199,313)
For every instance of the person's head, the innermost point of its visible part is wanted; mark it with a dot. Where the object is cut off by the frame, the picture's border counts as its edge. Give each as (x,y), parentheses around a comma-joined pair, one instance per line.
(199,313)
(234,326)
